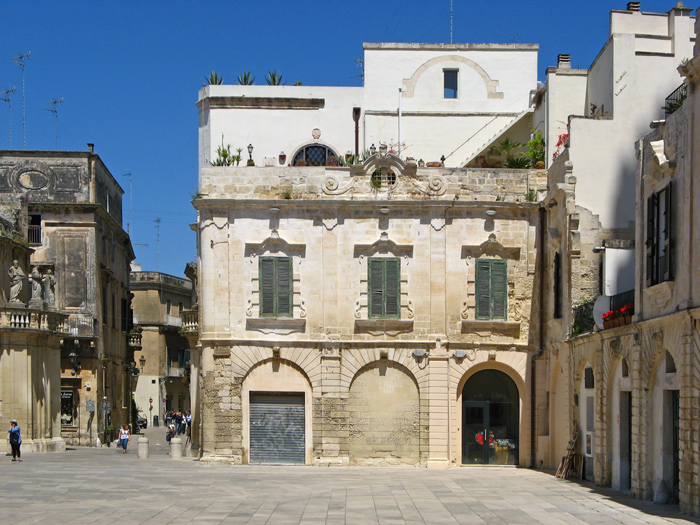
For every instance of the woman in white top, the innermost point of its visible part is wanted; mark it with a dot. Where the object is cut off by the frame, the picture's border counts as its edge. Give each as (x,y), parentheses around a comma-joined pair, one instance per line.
(124,437)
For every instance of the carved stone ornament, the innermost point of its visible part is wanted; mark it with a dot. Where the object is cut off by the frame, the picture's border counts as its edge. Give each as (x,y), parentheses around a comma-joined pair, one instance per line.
(465,311)
(316,133)
(357,309)
(331,185)
(438,223)
(410,309)
(249,310)
(436,185)
(302,310)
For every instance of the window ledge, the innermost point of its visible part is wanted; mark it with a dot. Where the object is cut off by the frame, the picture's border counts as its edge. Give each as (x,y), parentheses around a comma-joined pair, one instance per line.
(660,294)
(383,325)
(511,328)
(279,325)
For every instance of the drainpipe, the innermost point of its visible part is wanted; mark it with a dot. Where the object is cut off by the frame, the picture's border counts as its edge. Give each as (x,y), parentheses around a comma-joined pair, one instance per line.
(540,350)
(356,117)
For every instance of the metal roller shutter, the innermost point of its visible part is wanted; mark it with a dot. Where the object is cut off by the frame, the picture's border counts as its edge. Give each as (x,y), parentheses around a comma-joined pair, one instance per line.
(277,428)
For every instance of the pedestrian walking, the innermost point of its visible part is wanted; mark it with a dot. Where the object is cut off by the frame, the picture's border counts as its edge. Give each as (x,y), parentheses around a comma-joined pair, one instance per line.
(124,437)
(15,440)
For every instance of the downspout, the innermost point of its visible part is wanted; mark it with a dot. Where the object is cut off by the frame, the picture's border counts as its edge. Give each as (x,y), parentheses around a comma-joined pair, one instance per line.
(540,350)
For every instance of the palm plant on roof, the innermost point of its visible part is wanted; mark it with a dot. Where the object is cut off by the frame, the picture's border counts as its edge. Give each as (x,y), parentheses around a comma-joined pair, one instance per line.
(213,78)
(246,79)
(273,78)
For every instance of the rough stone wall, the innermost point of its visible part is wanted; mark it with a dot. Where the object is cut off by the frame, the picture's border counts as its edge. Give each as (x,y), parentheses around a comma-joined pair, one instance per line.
(644,346)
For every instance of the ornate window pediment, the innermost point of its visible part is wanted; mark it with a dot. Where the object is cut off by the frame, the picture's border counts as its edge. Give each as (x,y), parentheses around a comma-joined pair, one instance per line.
(491,248)
(274,244)
(384,246)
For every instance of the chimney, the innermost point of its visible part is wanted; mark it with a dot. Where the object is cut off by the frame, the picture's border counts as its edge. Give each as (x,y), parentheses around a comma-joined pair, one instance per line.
(564,61)
(91,147)
(634,6)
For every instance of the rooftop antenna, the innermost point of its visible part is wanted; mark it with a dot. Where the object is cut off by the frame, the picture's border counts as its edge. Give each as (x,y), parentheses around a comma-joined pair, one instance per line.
(157,221)
(19,60)
(54,109)
(8,99)
(451,21)
(131,206)
(361,64)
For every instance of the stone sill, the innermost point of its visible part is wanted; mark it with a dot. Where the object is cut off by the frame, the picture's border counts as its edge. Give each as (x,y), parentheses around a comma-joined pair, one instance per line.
(660,294)
(286,324)
(498,327)
(383,325)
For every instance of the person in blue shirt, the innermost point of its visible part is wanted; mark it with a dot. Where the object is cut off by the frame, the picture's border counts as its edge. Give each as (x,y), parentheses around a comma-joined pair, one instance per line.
(15,440)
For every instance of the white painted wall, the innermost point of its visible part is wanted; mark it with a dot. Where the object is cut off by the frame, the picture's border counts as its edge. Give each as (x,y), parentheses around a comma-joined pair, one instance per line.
(495,81)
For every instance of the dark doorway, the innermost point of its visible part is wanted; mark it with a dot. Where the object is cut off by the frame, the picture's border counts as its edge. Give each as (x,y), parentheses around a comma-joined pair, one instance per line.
(625,440)
(490,419)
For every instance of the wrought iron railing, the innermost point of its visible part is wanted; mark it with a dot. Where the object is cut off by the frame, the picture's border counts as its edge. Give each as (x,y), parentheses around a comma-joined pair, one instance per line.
(675,100)
(34,234)
(82,325)
(619,300)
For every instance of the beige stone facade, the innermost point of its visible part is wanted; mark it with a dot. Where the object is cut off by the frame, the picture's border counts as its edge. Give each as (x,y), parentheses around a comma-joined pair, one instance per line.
(376,391)
(78,268)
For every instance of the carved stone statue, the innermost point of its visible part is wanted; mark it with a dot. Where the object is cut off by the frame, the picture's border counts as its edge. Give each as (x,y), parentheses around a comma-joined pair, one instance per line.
(50,287)
(35,280)
(16,279)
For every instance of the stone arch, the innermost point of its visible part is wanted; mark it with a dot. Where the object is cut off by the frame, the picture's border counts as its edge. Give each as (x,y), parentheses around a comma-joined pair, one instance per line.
(244,358)
(384,415)
(355,360)
(276,376)
(491,85)
(514,365)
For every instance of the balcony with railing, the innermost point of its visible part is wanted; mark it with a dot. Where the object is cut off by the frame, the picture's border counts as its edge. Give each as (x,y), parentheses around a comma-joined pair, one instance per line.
(190,321)
(134,341)
(31,319)
(175,371)
(675,100)
(81,325)
(621,310)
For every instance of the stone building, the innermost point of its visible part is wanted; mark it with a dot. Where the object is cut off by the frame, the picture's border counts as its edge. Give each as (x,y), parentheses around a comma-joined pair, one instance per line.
(79,265)
(31,331)
(630,391)
(163,383)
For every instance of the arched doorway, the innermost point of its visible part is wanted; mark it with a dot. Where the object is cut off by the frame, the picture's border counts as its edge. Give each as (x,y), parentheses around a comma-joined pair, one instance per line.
(490,419)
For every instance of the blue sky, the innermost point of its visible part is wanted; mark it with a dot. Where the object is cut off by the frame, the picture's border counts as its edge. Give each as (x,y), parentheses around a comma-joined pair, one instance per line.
(129,73)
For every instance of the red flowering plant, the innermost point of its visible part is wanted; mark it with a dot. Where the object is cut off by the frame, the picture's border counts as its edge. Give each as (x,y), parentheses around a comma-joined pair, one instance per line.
(625,311)
(562,142)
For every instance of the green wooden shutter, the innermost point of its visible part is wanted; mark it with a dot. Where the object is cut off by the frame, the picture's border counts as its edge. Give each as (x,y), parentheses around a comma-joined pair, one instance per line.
(267,286)
(376,287)
(650,240)
(483,289)
(668,233)
(392,287)
(499,289)
(284,286)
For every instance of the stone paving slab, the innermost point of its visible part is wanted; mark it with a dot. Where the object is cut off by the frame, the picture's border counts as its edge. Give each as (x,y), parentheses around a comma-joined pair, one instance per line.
(89,485)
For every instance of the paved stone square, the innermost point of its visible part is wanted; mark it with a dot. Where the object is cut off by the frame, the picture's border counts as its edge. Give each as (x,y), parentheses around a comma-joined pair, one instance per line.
(88,485)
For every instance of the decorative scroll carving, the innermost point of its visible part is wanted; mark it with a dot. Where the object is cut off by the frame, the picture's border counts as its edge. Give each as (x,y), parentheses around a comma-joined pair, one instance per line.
(249,310)
(302,310)
(410,309)
(357,309)
(465,311)
(331,185)
(274,244)
(383,245)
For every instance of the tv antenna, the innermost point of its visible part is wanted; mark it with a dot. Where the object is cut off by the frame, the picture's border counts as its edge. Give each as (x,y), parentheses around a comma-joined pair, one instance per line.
(131,205)
(54,109)
(19,60)
(6,97)
(450,21)
(157,221)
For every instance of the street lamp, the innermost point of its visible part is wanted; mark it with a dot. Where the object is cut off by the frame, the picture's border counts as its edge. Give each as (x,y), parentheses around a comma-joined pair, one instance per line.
(373,149)
(142,362)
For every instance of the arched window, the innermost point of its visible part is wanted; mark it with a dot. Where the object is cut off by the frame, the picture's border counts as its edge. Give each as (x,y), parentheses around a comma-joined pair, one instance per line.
(314,155)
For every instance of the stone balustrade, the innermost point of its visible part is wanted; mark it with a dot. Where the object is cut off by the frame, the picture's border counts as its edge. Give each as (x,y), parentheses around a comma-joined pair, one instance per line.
(32,319)
(190,321)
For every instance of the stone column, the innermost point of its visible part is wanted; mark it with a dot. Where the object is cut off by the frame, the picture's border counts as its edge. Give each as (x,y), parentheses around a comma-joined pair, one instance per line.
(438,399)
(195,401)
(330,440)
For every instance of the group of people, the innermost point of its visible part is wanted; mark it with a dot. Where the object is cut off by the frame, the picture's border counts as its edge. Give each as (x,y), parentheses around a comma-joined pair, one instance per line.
(180,420)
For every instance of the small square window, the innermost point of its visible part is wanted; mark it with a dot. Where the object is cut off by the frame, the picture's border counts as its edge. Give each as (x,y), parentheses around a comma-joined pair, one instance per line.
(451,80)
